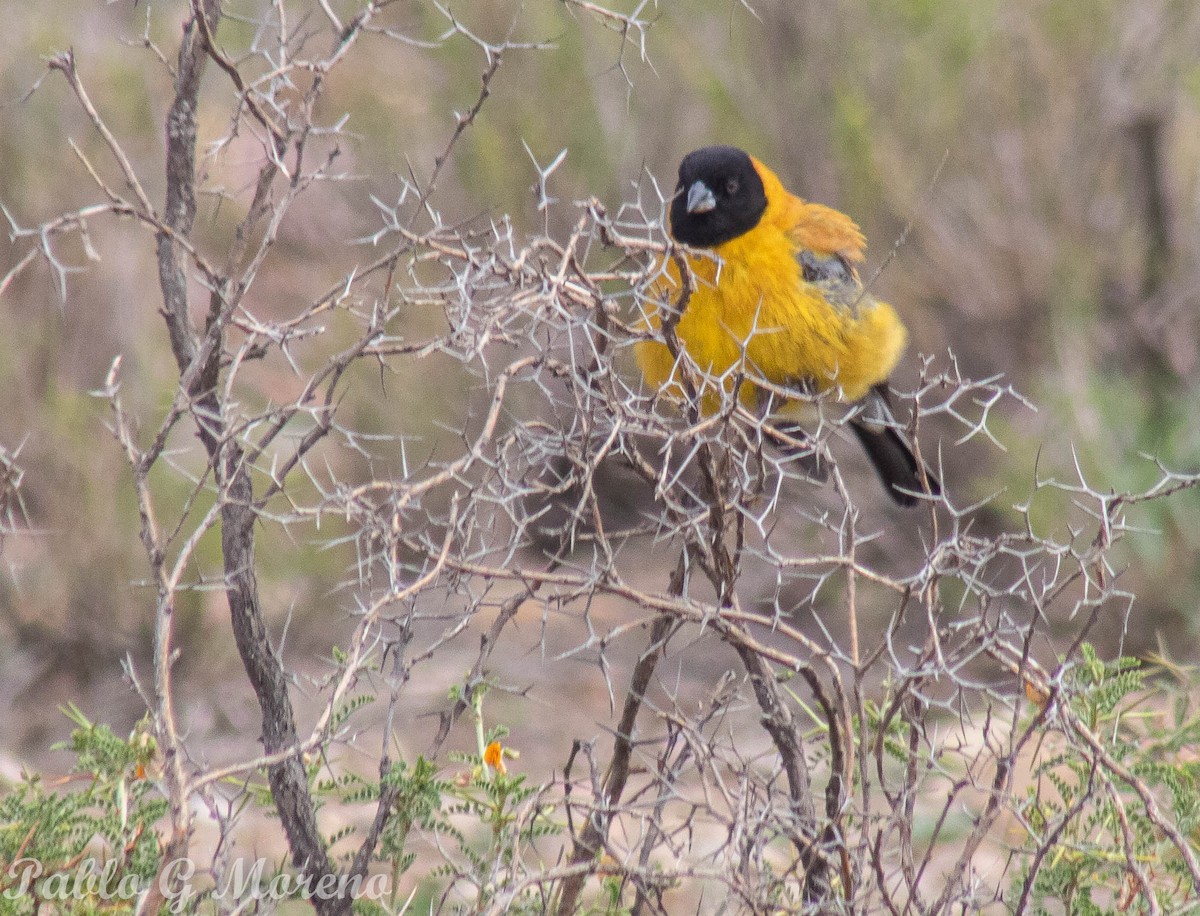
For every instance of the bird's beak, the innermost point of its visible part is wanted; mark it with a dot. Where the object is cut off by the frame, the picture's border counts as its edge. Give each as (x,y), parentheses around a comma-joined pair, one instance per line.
(700,199)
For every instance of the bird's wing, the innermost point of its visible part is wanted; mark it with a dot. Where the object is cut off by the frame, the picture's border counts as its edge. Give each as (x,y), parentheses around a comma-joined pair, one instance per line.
(828,246)
(811,227)
(825,231)
(836,277)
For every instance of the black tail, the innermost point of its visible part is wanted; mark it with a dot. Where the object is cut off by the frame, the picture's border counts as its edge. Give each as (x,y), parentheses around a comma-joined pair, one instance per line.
(877,430)
(895,463)
(897,466)
(879,433)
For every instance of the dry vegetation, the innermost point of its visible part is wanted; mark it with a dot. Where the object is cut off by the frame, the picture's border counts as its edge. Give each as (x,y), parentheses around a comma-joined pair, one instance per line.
(326,474)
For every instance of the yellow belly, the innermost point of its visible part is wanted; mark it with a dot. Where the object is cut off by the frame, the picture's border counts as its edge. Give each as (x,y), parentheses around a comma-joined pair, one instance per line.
(759,318)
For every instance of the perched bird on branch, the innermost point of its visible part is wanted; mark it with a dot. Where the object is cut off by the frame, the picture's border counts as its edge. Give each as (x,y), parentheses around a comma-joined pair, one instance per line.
(782,303)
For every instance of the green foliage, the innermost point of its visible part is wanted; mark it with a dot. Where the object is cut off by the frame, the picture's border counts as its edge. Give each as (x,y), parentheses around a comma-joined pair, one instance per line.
(101,823)
(1083,820)
(609,902)
(482,818)
(90,843)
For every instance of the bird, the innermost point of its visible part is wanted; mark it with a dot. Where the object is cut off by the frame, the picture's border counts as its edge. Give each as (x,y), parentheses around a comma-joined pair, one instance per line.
(781,302)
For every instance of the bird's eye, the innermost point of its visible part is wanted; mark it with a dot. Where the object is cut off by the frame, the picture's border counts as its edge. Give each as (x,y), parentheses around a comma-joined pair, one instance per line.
(732,185)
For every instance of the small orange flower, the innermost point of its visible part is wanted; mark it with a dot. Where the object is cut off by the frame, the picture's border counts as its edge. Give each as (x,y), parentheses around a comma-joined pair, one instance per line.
(494,757)
(1036,694)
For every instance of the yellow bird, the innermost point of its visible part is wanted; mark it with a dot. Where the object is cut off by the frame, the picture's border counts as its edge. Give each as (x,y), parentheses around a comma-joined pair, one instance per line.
(781,302)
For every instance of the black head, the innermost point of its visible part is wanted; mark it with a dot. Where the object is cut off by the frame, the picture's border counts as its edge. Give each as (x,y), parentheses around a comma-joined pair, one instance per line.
(719,197)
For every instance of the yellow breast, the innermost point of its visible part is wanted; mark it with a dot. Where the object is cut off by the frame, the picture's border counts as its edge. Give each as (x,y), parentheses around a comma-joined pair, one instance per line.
(753,314)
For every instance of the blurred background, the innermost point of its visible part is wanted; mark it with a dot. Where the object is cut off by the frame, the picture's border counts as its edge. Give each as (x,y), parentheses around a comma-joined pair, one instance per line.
(1044,156)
